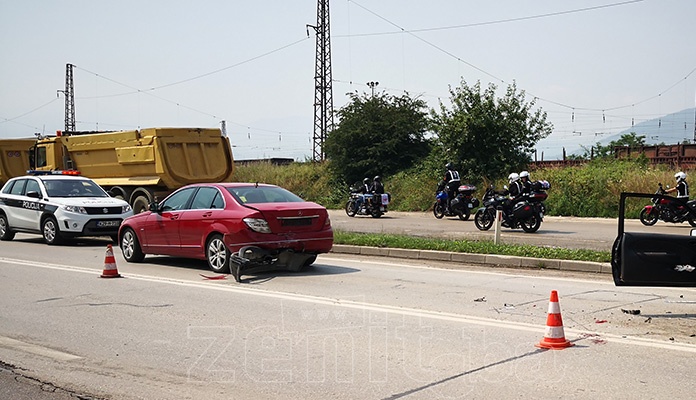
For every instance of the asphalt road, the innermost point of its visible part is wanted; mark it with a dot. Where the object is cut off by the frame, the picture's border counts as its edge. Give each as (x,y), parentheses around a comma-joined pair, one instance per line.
(567,232)
(350,327)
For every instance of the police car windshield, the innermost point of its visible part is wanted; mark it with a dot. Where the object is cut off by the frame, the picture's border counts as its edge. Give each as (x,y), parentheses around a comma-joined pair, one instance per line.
(73,188)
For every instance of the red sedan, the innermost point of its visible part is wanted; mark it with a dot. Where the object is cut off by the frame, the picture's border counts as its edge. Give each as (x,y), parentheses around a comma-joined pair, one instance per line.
(243,228)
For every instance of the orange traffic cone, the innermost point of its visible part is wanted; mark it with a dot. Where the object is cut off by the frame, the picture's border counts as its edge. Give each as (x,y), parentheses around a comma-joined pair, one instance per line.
(554,338)
(110,270)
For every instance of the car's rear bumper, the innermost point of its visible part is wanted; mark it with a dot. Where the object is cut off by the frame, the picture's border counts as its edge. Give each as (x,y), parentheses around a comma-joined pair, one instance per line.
(309,242)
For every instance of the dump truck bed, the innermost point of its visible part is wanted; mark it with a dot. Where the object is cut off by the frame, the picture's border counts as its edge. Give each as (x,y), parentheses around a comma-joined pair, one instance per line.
(14,158)
(171,157)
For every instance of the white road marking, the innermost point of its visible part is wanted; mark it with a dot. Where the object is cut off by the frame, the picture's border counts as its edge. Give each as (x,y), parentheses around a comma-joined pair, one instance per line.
(13,344)
(406,311)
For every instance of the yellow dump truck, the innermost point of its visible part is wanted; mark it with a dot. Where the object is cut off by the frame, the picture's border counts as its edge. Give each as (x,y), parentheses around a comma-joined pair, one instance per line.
(14,158)
(138,165)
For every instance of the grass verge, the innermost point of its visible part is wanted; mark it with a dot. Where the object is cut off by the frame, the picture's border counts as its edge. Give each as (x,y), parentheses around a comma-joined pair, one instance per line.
(467,246)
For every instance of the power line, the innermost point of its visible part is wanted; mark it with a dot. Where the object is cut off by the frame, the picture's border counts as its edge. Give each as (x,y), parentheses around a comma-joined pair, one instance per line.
(411,32)
(501,21)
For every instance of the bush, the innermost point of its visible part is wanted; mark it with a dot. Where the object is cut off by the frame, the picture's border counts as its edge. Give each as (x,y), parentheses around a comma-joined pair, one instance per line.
(589,190)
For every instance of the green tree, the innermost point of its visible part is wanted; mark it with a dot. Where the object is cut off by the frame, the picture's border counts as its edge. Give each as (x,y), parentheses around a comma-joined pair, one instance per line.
(377,135)
(599,151)
(487,136)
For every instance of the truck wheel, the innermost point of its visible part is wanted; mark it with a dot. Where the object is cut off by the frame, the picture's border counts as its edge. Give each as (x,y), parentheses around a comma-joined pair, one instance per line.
(50,231)
(130,246)
(5,232)
(217,254)
(141,204)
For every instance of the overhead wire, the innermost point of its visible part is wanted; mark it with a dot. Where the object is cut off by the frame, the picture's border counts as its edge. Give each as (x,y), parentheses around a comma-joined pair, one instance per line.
(450,54)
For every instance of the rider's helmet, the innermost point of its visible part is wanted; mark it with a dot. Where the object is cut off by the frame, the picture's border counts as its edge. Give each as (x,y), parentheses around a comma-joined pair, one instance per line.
(366,181)
(680,176)
(513,177)
(378,178)
(524,174)
(449,166)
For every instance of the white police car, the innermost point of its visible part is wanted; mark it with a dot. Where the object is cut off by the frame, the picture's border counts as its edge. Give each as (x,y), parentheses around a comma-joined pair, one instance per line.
(59,205)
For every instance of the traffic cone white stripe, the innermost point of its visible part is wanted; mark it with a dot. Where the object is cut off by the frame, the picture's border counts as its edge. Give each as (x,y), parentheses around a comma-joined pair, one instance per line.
(554,308)
(554,332)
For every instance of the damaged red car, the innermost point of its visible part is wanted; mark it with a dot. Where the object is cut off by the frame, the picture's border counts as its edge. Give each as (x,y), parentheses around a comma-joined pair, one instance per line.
(242,228)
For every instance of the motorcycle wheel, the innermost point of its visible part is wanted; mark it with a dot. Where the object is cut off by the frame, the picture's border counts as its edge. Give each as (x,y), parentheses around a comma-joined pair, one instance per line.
(464,214)
(483,219)
(351,209)
(531,224)
(649,218)
(691,222)
(376,213)
(438,210)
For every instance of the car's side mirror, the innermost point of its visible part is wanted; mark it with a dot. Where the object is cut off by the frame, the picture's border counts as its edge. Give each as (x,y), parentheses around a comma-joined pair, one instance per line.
(154,207)
(34,194)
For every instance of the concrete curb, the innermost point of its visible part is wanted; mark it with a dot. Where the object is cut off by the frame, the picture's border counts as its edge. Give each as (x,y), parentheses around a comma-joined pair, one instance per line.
(470,258)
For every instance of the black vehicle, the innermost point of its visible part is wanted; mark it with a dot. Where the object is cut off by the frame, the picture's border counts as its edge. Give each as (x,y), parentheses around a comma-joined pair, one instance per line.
(668,209)
(652,259)
(461,205)
(527,213)
(371,204)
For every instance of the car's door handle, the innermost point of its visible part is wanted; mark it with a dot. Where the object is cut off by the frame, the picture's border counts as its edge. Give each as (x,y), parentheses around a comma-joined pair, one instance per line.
(174,217)
(208,214)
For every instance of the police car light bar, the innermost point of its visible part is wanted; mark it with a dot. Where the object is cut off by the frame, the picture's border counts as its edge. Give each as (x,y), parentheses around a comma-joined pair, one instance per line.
(55,172)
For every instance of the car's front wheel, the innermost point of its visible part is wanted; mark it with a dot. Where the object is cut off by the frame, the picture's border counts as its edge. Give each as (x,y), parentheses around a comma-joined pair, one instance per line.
(130,246)
(50,231)
(5,232)
(217,254)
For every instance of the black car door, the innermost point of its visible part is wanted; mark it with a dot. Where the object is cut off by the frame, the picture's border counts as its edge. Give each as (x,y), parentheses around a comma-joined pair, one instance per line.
(652,259)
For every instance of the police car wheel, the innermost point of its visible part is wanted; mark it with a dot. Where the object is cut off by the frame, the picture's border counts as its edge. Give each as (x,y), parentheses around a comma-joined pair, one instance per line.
(50,231)
(5,232)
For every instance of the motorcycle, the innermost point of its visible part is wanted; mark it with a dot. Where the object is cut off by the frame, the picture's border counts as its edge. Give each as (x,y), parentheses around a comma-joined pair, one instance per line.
(371,204)
(668,210)
(460,206)
(527,213)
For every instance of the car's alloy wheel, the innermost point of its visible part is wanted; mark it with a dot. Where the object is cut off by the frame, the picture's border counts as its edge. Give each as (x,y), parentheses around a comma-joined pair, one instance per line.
(50,231)
(217,254)
(5,231)
(131,247)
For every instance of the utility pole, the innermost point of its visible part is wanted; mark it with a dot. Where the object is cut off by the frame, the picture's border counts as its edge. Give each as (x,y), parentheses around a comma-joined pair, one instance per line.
(69,94)
(323,93)
(372,86)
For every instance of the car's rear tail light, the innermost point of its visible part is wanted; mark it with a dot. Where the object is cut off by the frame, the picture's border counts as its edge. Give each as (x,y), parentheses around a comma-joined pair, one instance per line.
(257,225)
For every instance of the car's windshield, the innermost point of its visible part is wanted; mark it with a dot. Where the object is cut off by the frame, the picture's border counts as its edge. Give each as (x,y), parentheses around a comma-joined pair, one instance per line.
(73,188)
(263,194)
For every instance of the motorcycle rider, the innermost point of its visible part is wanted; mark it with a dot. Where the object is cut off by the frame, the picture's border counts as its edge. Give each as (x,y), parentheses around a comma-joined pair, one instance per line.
(377,189)
(682,190)
(364,189)
(452,182)
(526,182)
(515,192)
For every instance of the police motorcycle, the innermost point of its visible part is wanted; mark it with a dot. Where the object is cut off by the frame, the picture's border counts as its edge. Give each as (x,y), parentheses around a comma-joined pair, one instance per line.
(668,209)
(460,206)
(527,213)
(372,204)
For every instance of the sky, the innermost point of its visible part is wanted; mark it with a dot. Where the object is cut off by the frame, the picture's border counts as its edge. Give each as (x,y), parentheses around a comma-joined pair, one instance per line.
(596,67)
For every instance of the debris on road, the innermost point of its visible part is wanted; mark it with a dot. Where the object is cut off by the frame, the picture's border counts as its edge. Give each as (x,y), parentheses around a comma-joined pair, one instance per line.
(632,312)
(600,321)
(480,299)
